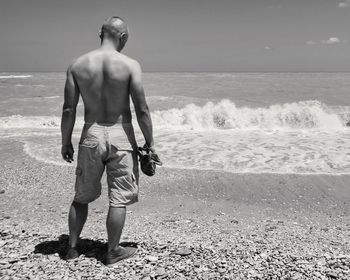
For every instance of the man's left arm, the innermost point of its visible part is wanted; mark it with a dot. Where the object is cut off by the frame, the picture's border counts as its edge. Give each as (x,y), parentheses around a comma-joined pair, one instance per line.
(71,98)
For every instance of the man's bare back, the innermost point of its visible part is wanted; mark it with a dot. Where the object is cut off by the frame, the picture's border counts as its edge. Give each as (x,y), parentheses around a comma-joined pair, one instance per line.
(103,77)
(106,79)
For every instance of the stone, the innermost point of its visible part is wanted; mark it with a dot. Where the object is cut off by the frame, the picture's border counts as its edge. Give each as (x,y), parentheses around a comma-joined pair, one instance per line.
(181,267)
(160,271)
(342,256)
(198,270)
(147,270)
(297,276)
(327,256)
(139,264)
(222,270)
(321,262)
(183,252)
(151,258)
(332,275)
(317,274)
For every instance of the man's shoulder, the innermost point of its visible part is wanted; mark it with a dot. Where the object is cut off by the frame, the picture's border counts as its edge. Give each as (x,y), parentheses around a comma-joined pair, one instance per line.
(78,62)
(132,65)
(84,58)
(131,62)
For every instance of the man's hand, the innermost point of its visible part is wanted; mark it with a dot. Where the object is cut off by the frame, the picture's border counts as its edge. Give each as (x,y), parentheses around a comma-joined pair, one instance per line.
(154,156)
(67,152)
(151,148)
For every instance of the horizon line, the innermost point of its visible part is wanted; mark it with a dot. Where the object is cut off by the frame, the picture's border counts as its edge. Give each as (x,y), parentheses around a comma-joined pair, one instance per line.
(222,71)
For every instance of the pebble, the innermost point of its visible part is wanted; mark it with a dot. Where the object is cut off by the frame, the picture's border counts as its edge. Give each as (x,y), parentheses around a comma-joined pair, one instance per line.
(297,276)
(183,252)
(152,258)
(222,270)
(332,275)
(160,271)
(198,270)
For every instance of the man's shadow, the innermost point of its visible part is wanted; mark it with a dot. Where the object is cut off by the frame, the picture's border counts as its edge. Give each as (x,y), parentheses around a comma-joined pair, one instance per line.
(87,247)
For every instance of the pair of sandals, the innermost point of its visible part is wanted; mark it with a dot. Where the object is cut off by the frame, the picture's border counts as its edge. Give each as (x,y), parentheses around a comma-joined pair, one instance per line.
(148,160)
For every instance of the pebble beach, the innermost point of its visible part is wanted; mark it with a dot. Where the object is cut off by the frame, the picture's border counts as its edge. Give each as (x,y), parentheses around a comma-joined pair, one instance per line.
(188,224)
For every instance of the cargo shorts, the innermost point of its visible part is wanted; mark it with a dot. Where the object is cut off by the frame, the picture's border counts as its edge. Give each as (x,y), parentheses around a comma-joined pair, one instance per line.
(110,147)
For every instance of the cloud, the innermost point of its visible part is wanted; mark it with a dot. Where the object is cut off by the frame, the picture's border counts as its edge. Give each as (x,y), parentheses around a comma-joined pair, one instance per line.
(331,40)
(267,48)
(310,43)
(345,4)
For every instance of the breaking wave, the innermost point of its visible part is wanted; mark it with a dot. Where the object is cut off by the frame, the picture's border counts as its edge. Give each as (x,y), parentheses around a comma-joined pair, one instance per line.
(225,115)
(222,115)
(19,121)
(15,76)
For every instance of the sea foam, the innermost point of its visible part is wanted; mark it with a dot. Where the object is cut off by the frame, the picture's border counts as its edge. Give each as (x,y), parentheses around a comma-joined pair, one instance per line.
(15,76)
(226,115)
(19,121)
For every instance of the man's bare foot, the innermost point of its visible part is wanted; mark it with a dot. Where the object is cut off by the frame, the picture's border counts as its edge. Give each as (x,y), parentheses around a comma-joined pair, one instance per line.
(119,254)
(72,253)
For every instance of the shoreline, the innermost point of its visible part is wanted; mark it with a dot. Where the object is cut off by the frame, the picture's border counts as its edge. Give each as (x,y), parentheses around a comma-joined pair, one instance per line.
(313,192)
(257,173)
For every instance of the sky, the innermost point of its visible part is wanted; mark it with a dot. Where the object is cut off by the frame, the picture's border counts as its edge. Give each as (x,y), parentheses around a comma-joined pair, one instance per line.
(181,35)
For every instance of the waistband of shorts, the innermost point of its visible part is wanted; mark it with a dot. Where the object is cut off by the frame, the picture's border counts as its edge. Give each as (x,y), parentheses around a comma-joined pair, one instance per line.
(107,125)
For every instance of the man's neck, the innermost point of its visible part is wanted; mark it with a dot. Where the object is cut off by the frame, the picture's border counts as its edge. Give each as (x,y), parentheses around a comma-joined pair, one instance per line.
(109,45)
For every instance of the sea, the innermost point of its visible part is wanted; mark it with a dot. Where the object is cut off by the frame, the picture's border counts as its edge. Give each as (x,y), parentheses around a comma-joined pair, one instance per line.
(284,123)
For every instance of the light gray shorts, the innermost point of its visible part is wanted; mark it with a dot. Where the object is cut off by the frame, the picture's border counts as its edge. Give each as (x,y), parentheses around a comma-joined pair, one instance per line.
(114,148)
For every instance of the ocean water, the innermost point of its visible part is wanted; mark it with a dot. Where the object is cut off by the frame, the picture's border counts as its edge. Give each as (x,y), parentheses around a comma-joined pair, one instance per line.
(235,122)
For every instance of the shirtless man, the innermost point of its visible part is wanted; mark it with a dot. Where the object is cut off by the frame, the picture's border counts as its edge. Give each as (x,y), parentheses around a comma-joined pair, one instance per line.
(105,79)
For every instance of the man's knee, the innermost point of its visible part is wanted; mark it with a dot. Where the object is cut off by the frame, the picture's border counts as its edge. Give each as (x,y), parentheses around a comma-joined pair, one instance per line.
(79,204)
(117,206)
(86,196)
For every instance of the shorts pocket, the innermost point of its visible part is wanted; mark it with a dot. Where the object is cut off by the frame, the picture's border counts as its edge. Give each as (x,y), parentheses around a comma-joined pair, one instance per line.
(89,142)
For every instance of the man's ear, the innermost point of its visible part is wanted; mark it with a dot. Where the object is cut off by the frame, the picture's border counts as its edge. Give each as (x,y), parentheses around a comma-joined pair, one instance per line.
(99,33)
(123,37)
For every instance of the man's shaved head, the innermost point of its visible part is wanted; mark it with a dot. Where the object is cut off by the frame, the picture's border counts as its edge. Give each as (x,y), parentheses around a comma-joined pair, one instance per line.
(114,27)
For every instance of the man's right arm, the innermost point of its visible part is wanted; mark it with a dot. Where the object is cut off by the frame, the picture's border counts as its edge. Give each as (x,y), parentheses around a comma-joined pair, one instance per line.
(71,98)
(141,108)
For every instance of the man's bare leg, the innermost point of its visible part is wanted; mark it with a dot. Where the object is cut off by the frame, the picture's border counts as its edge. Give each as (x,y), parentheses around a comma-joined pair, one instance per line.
(77,217)
(115,223)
